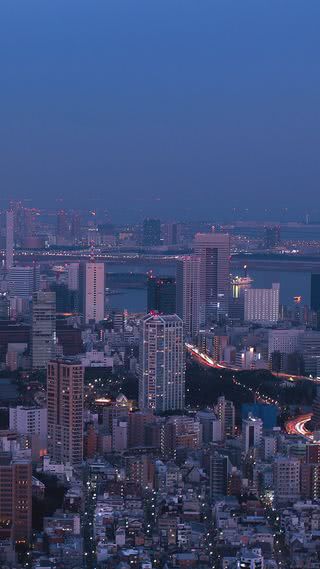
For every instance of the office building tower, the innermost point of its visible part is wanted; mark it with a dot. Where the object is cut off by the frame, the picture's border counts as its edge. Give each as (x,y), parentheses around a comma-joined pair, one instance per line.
(261,305)
(161,295)
(62,230)
(252,428)
(15,498)
(286,477)
(24,281)
(4,306)
(225,412)
(188,294)
(309,346)
(214,252)
(67,301)
(151,232)
(219,470)
(162,363)
(171,233)
(9,239)
(43,328)
(92,291)
(76,228)
(65,410)
(73,276)
(271,236)
(284,341)
(315,293)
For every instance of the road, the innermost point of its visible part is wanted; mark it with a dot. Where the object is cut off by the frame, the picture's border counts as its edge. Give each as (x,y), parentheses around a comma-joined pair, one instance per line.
(207,361)
(297,426)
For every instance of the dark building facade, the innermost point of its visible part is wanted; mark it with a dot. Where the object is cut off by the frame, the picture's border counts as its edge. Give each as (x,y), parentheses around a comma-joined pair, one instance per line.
(162,295)
(151,232)
(315,292)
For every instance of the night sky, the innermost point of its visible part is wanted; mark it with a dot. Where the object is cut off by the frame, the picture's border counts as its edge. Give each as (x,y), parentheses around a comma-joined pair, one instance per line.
(175,108)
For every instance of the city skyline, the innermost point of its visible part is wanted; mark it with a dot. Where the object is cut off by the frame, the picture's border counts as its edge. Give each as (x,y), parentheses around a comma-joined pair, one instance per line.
(213,111)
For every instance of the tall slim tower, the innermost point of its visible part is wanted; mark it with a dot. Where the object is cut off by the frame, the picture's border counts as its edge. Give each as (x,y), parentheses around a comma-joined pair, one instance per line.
(188,294)
(92,291)
(9,239)
(162,363)
(65,410)
(214,252)
(43,328)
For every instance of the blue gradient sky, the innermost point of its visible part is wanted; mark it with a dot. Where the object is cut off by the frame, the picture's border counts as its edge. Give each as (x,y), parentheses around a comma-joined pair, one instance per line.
(176,108)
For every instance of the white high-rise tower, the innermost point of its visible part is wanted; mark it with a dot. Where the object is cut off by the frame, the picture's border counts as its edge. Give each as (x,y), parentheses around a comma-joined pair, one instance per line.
(162,363)
(92,291)
(188,294)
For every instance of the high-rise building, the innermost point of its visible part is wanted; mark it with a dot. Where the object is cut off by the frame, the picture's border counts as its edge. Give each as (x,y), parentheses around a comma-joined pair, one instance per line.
(271,236)
(315,297)
(284,341)
(15,498)
(62,230)
(309,346)
(4,306)
(161,295)
(43,328)
(188,294)
(24,280)
(65,410)
(286,477)
(151,232)
(315,292)
(225,412)
(76,228)
(252,428)
(9,239)
(73,276)
(162,363)
(219,471)
(261,305)
(214,252)
(92,291)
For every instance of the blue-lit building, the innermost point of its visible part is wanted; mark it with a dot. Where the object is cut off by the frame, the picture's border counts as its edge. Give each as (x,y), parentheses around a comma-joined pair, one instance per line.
(267,413)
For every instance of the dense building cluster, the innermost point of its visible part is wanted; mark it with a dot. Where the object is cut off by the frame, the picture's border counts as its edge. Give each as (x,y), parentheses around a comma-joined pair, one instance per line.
(107,459)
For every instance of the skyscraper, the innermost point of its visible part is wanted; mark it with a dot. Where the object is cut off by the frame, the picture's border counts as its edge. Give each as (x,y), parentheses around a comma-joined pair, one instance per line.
(65,410)
(225,412)
(271,236)
(62,230)
(262,304)
(214,252)
(151,232)
(162,295)
(9,239)
(43,328)
(162,363)
(315,296)
(188,294)
(24,280)
(15,497)
(92,291)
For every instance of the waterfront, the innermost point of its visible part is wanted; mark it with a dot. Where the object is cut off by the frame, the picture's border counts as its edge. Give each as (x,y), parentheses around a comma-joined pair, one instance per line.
(135,299)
